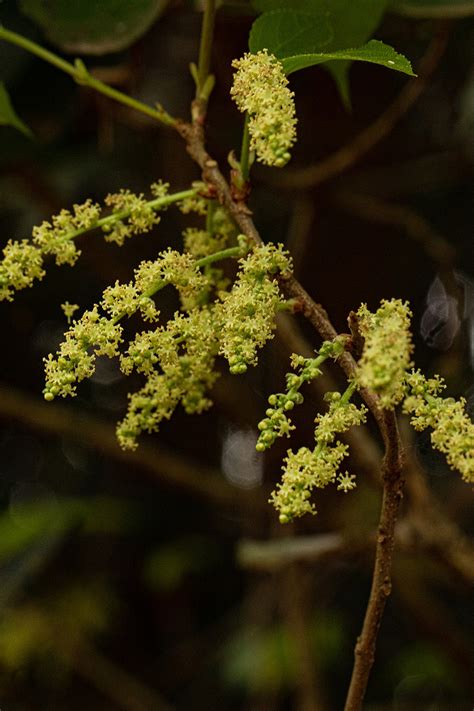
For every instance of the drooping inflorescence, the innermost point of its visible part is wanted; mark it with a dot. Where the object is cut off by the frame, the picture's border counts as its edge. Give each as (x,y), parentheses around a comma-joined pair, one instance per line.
(178,360)
(260,89)
(383,367)
(130,214)
(307,469)
(248,310)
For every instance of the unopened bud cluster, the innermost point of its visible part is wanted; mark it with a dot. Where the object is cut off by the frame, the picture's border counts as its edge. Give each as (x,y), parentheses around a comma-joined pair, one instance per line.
(277,422)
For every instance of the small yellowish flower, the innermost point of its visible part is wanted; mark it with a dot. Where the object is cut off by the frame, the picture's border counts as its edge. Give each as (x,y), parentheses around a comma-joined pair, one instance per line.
(57,237)
(69,310)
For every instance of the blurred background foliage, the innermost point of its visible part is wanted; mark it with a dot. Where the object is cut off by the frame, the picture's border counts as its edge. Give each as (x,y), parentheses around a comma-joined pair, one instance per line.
(127,580)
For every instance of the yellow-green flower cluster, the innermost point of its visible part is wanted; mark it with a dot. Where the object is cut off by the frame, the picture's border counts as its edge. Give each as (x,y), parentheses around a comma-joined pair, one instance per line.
(175,268)
(131,214)
(90,336)
(307,469)
(195,203)
(56,237)
(260,88)
(22,263)
(94,334)
(248,311)
(277,423)
(134,216)
(201,243)
(453,430)
(387,350)
(184,351)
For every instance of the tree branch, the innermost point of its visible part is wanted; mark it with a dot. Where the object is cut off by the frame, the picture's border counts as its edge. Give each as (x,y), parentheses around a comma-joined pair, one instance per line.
(381,579)
(173,470)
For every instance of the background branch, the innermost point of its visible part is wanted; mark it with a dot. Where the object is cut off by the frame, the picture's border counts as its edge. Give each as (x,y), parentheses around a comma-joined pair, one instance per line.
(167,466)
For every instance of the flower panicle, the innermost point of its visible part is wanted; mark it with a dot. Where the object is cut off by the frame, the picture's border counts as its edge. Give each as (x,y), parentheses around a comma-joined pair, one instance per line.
(178,360)
(387,350)
(130,214)
(307,469)
(247,312)
(452,428)
(260,89)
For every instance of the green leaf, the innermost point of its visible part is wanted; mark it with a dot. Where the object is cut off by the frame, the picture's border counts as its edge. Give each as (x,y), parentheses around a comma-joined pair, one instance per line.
(93,26)
(8,115)
(302,5)
(352,24)
(374,51)
(285,33)
(433,8)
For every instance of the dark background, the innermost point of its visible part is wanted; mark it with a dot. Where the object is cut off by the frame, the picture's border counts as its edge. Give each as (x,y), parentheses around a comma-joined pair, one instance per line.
(119,575)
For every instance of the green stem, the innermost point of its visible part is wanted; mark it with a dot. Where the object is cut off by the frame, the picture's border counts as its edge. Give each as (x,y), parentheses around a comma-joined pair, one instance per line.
(211,208)
(155,204)
(205,48)
(245,151)
(80,74)
(204,261)
(348,393)
(219,256)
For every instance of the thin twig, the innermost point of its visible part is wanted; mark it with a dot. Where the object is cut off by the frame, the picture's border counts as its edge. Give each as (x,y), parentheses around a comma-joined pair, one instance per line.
(82,76)
(381,578)
(205,48)
(386,421)
(271,555)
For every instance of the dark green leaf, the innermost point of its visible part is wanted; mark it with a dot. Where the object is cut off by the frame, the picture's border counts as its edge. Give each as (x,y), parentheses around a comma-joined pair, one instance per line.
(285,33)
(374,51)
(301,5)
(93,26)
(8,115)
(433,8)
(352,24)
